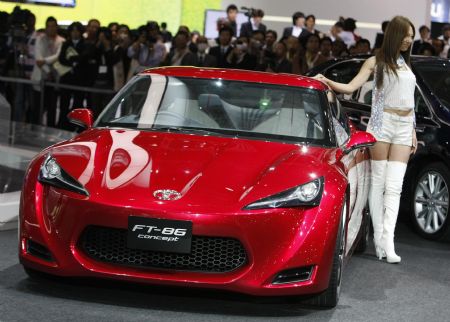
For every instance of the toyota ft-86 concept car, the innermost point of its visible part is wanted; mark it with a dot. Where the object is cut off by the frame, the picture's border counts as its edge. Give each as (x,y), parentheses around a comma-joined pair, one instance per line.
(235,180)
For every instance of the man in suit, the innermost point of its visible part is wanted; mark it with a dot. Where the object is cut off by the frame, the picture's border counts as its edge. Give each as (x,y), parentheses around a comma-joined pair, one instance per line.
(424,38)
(255,23)
(232,12)
(181,55)
(221,52)
(298,29)
(204,59)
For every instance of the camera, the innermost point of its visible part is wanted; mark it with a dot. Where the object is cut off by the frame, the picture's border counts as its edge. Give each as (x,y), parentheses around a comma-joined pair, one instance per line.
(248,11)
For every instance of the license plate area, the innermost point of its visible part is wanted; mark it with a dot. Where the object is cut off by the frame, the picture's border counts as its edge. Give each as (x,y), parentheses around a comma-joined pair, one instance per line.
(161,235)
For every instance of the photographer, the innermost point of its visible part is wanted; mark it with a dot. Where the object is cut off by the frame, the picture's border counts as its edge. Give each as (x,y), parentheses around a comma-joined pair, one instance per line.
(239,57)
(181,55)
(106,59)
(255,23)
(146,52)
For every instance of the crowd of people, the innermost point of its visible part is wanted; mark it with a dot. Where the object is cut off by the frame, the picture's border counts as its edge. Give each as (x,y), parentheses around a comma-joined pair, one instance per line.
(105,58)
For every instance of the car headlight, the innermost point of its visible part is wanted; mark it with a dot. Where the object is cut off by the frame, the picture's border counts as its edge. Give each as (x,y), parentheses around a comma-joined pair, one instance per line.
(52,174)
(308,194)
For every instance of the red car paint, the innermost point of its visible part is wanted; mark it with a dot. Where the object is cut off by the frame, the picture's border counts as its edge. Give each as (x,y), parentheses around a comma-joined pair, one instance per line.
(216,176)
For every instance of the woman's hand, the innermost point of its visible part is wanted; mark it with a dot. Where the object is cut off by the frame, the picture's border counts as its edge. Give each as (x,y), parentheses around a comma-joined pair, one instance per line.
(321,78)
(414,143)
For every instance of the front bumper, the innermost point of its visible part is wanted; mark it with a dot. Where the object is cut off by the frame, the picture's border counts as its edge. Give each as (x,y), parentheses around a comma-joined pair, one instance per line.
(274,240)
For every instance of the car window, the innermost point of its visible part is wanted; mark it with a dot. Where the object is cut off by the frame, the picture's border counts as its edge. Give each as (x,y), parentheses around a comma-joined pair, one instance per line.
(247,109)
(344,72)
(421,107)
(340,121)
(437,79)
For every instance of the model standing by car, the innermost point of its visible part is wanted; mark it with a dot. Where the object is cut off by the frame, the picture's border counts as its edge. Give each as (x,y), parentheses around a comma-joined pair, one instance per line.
(392,123)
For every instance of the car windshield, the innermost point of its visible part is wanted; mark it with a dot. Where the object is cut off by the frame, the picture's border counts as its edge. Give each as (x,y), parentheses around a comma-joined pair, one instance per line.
(437,78)
(219,107)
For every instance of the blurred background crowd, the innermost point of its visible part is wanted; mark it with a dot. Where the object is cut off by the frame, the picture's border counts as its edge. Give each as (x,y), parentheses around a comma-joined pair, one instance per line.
(84,65)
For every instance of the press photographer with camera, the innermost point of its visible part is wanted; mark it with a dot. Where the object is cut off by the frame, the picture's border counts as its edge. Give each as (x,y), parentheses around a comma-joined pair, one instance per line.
(239,57)
(255,22)
(145,52)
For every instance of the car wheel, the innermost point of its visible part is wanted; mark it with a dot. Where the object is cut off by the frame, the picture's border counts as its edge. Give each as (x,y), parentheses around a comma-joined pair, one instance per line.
(330,297)
(430,202)
(365,232)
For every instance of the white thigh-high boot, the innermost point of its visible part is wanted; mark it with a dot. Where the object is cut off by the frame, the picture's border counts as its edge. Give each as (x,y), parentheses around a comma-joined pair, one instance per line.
(394,181)
(376,201)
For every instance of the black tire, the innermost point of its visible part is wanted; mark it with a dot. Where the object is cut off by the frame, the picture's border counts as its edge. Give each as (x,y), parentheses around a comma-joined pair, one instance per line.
(365,232)
(330,297)
(430,213)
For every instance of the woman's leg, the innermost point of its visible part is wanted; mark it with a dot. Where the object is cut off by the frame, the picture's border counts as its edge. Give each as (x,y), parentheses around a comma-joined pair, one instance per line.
(396,168)
(379,154)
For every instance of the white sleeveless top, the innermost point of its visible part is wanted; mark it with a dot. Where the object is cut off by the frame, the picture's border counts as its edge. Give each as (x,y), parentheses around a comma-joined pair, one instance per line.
(399,90)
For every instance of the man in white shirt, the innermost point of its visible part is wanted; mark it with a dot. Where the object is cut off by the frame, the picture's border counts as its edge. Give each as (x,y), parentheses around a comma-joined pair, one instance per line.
(254,24)
(298,29)
(48,46)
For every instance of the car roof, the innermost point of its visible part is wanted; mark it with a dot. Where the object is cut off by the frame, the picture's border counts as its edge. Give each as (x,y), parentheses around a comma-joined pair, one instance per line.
(238,75)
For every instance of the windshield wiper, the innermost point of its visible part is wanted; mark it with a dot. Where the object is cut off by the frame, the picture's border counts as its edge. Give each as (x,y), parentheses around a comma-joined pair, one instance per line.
(184,129)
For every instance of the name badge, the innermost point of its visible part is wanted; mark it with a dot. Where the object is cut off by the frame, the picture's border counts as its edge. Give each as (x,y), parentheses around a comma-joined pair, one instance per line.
(102,69)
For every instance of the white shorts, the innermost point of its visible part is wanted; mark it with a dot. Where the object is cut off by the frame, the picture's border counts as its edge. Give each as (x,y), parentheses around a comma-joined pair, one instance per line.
(395,129)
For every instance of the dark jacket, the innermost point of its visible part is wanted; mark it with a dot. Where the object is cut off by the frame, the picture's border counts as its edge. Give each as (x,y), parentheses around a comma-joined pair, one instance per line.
(189,59)
(207,61)
(84,65)
(247,29)
(288,32)
(247,63)
(220,58)
(284,66)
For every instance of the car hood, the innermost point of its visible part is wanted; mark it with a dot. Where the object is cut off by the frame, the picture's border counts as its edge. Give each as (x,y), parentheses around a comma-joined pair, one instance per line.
(126,167)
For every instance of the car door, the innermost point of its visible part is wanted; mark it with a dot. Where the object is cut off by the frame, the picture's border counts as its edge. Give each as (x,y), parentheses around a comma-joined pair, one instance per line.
(356,105)
(357,168)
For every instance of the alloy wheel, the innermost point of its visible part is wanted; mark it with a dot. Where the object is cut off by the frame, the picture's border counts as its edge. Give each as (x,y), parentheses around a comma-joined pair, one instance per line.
(431,202)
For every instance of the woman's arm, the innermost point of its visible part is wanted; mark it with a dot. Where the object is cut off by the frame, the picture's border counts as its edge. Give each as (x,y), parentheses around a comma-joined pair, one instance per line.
(362,77)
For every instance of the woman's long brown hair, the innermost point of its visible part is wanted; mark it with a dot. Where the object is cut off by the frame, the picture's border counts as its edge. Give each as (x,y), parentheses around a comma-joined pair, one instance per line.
(386,58)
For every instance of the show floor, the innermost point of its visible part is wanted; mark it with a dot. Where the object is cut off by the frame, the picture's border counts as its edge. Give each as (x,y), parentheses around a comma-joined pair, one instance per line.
(418,289)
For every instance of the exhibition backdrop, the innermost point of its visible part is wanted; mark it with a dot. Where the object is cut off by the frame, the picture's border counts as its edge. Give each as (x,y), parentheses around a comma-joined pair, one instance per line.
(132,12)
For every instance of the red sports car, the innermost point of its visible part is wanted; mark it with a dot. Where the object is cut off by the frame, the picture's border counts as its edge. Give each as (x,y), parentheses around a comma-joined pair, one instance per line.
(236,180)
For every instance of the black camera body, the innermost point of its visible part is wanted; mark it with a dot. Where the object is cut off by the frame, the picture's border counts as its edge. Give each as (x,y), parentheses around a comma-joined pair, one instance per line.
(248,11)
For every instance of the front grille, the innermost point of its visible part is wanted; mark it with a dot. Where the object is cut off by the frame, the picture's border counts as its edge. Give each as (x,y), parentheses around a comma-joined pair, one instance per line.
(208,254)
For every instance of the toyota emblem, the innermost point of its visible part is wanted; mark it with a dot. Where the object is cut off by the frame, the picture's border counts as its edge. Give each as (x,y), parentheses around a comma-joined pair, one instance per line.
(167,194)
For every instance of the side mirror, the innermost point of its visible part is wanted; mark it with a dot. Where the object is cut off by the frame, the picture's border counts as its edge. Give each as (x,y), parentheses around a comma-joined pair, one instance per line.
(81,117)
(358,139)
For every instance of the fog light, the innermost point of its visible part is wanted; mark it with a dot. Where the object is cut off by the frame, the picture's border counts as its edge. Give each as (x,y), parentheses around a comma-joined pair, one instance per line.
(294,275)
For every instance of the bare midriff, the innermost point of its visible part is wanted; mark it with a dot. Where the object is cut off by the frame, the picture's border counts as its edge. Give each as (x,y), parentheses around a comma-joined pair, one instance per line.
(399,112)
